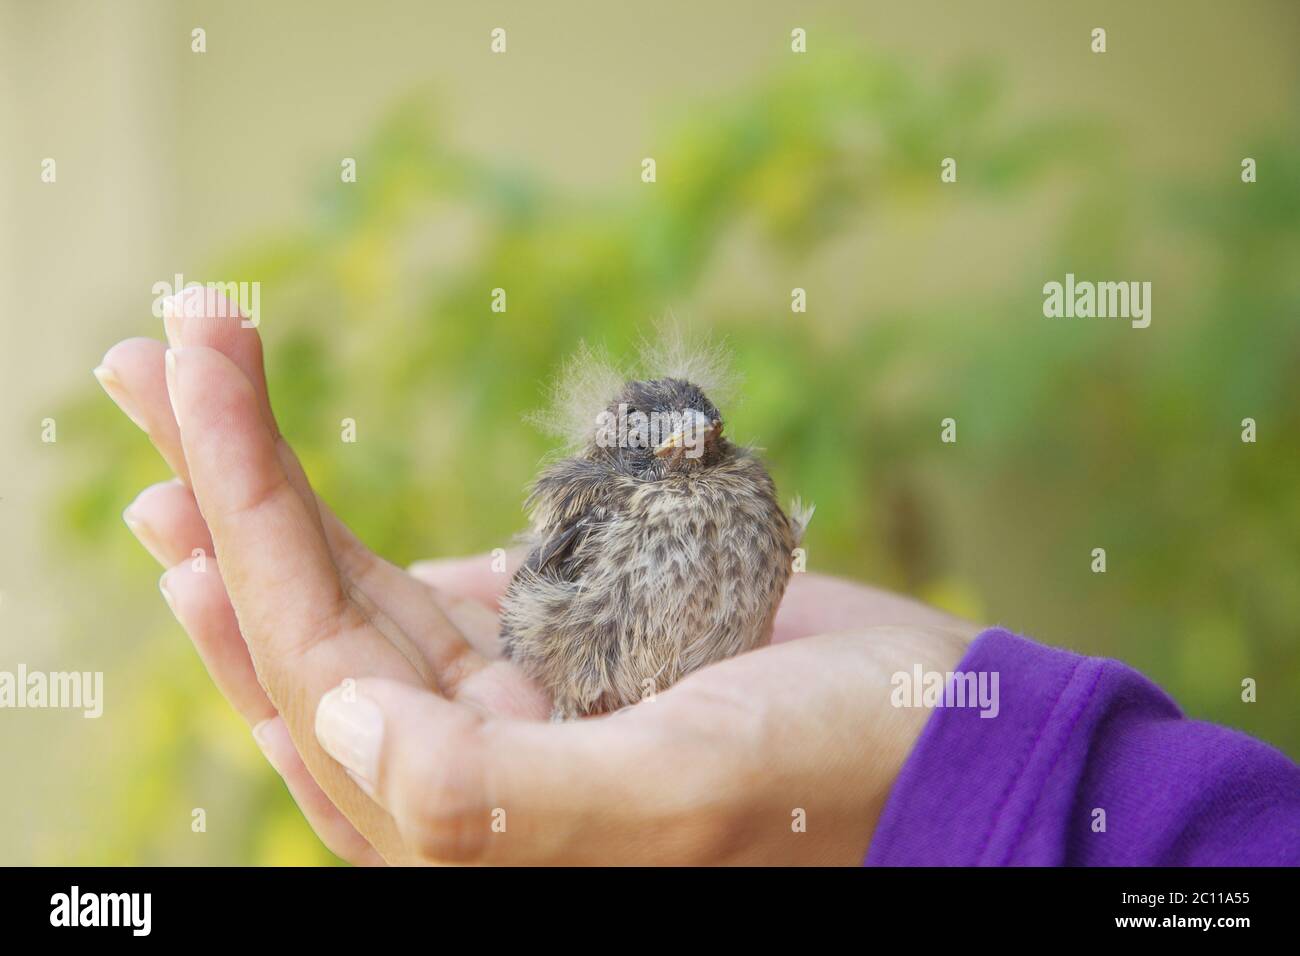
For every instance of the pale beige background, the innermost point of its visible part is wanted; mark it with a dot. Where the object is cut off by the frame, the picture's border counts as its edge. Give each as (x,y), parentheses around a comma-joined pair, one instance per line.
(166,157)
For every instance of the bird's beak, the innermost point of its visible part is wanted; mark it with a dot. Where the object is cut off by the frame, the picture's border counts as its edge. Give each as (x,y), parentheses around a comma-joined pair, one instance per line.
(696,429)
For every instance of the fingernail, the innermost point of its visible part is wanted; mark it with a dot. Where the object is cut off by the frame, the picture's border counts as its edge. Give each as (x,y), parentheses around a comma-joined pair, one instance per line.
(143,533)
(169,370)
(167,595)
(351,729)
(270,740)
(111,384)
(260,731)
(174,310)
(172,327)
(173,313)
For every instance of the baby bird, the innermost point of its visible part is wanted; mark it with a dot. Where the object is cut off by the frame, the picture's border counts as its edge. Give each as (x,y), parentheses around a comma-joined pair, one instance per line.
(657,549)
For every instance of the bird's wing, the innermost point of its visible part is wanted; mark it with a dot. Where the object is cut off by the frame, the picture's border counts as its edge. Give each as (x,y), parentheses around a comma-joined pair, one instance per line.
(557,547)
(570,500)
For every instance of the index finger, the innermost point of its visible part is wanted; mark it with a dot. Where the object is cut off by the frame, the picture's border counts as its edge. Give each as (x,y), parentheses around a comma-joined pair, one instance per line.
(278,570)
(304,631)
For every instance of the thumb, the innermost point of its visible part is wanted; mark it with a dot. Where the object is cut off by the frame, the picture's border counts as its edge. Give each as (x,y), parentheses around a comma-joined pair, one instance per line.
(413,754)
(465,788)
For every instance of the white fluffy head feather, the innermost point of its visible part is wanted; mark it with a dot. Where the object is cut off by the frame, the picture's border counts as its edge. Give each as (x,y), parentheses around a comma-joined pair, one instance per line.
(590,380)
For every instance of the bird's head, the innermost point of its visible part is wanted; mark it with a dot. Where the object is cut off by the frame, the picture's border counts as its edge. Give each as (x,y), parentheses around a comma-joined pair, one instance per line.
(660,427)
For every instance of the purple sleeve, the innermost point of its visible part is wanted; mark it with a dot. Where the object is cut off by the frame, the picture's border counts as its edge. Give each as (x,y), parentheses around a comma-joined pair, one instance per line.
(1073,736)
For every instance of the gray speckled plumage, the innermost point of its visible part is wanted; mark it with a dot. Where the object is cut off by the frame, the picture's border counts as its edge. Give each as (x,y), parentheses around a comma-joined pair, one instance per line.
(644,564)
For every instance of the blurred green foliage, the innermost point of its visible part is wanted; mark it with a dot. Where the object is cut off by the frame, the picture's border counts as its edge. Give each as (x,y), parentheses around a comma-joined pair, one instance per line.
(1072,434)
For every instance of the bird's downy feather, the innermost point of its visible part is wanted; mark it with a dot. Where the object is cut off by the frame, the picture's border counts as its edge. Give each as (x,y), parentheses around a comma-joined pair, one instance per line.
(590,379)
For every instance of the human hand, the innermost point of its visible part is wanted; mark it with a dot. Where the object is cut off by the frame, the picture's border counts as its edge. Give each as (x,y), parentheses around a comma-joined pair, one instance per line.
(711,770)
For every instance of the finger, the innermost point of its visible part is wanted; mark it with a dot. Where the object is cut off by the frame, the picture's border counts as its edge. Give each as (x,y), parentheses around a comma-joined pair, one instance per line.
(821,604)
(196,595)
(334,829)
(480,627)
(482,577)
(198,599)
(206,318)
(131,372)
(441,627)
(462,789)
(136,369)
(202,317)
(165,519)
(277,567)
(463,590)
(304,633)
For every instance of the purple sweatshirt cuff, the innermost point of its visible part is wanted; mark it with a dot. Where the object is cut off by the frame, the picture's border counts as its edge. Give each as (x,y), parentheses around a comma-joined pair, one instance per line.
(1082,761)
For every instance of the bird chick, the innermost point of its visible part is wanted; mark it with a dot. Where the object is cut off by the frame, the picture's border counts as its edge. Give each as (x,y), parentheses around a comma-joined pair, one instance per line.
(657,549)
